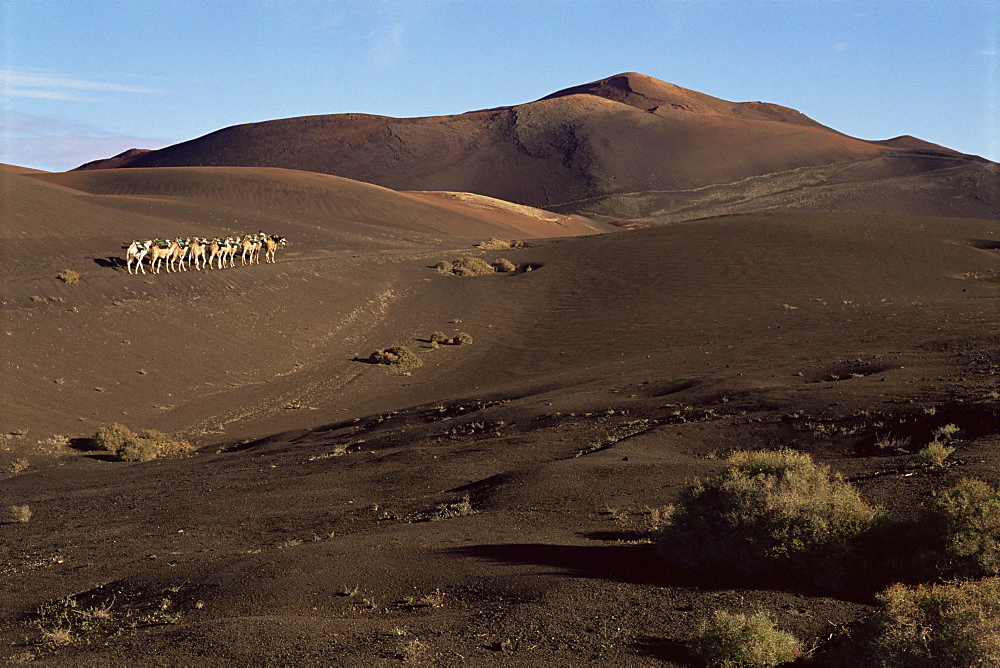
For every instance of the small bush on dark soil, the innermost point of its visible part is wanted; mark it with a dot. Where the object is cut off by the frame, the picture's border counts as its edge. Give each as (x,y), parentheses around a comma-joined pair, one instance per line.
(129,446)
(504,265)
(474,266)
(935,453)
(471,266)
(442,339)
(937,625)
(452,509)
(494,243)
(16,514)
(400,357)
(733,640)
(964,521)
(69,277)
(773,515)
(113,437)
(947,433)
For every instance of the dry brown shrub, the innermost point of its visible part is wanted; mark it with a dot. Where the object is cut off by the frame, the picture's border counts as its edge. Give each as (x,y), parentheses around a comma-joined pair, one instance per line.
(69,277)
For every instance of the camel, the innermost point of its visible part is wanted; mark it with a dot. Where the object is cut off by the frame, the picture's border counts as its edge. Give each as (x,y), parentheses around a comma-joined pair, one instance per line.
(229,251)
(179,251)
(201,253)
(215,251)
(224,250)
(271,244)
(136,251)
(250,250)
(196,253)
(161,250)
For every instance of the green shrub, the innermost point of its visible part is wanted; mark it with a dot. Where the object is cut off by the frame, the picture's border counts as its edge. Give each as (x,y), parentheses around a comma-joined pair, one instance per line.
(732,640)
(471,266)
(19,464)
(400,357)
(938,625)
(770,514)
(138,450)
(166,446)
(443,266)
(69,277)
(964,522)
(440,338)
(948,432)
(462,339)
(113,437)
(935,453)
(504,265)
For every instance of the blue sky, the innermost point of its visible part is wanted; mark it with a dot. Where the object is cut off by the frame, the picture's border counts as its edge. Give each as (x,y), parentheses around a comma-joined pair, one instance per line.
(86,79)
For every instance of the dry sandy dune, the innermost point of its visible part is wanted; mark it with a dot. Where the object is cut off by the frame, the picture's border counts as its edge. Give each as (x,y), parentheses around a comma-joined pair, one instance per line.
(490,506)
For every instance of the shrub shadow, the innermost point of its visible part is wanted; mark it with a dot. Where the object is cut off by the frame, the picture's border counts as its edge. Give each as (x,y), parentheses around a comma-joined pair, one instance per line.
(89,446)
(664,650)
(640,564)
(636,564)
(84,444)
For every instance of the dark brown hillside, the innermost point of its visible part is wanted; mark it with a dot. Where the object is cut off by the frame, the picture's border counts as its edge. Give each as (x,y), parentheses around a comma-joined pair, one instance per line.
(611,139)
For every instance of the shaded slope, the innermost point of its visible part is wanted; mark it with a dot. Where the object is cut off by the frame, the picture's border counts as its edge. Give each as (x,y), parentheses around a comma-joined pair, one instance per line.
(891,184)
(622,135)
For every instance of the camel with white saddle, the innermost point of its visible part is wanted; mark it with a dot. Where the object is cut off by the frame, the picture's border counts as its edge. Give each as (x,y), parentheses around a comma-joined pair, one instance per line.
(137,250)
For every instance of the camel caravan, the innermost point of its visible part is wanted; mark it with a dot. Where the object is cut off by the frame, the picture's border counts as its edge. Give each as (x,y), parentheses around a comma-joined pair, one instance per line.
(200,253)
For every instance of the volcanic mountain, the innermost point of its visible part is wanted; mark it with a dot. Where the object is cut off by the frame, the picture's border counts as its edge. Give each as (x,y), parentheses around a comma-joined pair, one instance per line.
(626,147)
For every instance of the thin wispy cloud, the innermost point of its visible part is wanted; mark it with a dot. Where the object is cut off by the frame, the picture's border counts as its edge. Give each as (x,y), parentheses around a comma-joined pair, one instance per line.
(44,85)
(387,46)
